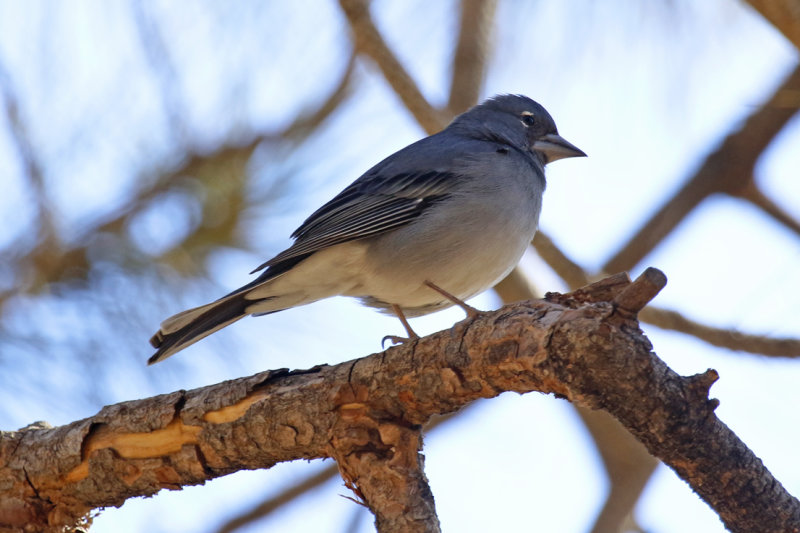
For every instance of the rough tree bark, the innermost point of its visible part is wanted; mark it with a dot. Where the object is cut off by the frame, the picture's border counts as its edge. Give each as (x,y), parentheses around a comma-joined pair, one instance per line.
(367,414)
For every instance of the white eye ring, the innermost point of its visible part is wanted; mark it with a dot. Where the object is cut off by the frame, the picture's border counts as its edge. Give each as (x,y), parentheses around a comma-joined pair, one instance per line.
(528,119)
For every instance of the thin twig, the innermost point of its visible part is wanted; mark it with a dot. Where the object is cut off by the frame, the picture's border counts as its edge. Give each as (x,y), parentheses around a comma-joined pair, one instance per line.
(368,41)
(566,268)
(576,276)
(754,195)
(724,338)
(783,14)
(729,169)
(289,494)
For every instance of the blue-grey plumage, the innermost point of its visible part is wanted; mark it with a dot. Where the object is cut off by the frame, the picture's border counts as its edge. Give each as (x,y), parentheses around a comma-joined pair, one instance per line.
(456,209)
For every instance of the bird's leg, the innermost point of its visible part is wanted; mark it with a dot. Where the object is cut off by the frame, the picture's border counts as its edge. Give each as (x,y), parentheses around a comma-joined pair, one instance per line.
(471,311)
(400,340)
(399,312)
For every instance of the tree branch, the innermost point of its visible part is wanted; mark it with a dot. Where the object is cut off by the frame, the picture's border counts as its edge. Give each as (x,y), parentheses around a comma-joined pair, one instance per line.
(584,346)
(379,459)
(753,194)
(471,54)
(368,41)
(39,244)
(51,262)
(783,14)
(575,277)
(302,486)
(724,338)
(627,463)
(297,488)
(566,268)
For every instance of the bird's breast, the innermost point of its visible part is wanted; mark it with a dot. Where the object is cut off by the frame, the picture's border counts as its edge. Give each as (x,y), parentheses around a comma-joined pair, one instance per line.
(465,244)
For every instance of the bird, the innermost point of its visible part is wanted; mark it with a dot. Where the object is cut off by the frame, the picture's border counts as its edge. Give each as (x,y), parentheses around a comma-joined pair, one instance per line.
(428,227)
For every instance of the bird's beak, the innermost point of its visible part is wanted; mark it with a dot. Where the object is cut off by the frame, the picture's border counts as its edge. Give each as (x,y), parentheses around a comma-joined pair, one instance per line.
(555,147)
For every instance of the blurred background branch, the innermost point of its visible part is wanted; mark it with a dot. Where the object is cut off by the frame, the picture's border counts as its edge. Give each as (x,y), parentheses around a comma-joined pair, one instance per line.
(369,42)
(728,170)
(179,164)
(783,14)
(472,53)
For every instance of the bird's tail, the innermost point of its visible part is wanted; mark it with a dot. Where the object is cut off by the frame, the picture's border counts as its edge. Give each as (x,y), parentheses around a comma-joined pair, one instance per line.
(184,329)
(181,330)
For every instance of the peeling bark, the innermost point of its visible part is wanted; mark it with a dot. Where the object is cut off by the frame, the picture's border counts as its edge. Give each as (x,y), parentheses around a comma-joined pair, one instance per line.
(367,413)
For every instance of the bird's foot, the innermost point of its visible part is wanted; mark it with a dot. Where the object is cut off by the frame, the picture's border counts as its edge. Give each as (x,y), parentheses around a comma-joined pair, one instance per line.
(395,340)
(412,335)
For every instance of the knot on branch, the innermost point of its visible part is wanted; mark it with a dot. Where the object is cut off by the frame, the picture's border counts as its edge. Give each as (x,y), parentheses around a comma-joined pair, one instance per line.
(699,387)
(39,424)
(626,295)
(638,294)
(379,460)
(604,290)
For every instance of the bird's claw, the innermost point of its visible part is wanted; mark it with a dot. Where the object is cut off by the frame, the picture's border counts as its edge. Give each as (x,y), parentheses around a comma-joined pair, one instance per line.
(395,340)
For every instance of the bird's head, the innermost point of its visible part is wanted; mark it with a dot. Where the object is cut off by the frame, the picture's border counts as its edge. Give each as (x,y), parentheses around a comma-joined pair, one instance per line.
(519,121)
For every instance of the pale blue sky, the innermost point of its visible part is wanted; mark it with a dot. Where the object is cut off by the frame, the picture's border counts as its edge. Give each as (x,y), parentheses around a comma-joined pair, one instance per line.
(646,89)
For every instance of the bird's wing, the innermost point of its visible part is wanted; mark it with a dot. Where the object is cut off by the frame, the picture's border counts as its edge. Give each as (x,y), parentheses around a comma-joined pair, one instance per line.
(373,204)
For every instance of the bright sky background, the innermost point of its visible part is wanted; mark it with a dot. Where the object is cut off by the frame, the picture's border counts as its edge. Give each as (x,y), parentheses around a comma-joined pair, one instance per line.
(646,89)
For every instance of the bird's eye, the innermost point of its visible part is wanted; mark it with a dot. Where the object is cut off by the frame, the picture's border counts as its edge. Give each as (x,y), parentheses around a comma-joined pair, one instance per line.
(528,119)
